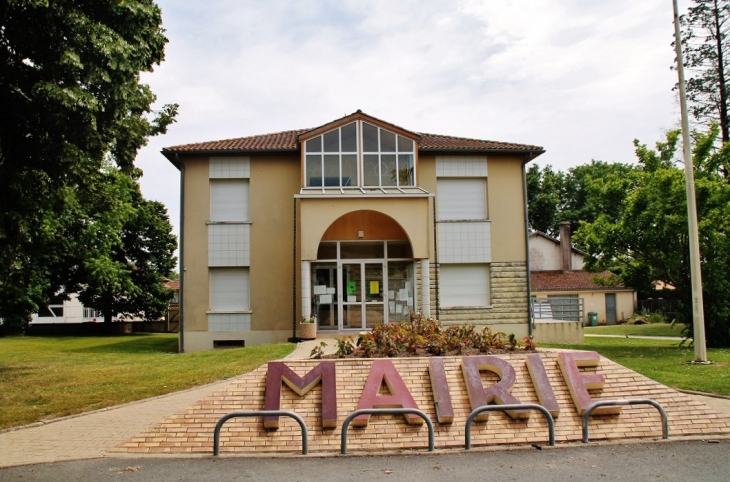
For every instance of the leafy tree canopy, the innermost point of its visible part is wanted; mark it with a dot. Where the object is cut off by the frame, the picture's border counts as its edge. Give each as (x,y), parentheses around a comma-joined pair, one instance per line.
(72,100)
(126,250)
(580,194)
(643,237)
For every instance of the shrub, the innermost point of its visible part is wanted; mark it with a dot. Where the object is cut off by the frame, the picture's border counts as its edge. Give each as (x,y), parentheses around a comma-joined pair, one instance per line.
(424,336)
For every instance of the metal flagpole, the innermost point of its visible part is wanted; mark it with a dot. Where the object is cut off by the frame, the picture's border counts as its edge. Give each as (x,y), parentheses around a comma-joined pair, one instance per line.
(698,316)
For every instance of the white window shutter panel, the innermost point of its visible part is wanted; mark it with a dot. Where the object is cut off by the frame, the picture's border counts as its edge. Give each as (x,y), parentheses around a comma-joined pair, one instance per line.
(461,199)
(464,285)
(229,200)
(229,289)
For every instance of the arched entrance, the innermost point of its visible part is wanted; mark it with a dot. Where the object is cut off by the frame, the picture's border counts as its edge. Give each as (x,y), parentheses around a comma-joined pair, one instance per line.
(364,273)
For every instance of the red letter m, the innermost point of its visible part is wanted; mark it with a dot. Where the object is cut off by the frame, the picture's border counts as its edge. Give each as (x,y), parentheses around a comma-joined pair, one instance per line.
(278,372)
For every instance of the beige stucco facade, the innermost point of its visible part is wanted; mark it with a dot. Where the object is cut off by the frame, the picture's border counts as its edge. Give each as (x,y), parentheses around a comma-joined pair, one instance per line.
(196,209)
(287,222)
(506,210)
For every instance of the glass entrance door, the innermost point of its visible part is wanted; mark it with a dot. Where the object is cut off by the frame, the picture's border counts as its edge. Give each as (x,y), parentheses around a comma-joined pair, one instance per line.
(363,300)
(324,295)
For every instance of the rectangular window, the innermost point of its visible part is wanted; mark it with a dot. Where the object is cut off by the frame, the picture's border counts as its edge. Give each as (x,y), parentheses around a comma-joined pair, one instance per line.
(229,200)
(461,199)
(229,289)
(464,285)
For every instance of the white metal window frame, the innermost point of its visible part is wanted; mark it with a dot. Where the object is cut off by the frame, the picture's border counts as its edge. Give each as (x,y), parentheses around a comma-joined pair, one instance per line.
(360,160)
(341,302)
(339,153)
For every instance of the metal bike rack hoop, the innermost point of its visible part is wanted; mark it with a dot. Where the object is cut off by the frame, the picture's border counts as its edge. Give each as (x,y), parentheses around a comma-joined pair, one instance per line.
(260,413)
(385,411)
(503,408)
(617,403)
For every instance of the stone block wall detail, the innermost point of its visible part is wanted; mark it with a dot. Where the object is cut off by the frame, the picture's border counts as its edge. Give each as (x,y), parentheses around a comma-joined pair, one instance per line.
(508,287)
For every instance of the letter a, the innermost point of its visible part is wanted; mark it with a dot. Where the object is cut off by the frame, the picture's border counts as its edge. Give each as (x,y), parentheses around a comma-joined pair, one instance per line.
(384,371)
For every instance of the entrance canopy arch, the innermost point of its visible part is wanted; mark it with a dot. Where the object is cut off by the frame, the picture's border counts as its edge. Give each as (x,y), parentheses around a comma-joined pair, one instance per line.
(382,218)
(359,259)
(365,225)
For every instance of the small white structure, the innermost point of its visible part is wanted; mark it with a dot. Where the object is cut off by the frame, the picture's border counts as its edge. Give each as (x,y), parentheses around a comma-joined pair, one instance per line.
(67,311)
(561,290)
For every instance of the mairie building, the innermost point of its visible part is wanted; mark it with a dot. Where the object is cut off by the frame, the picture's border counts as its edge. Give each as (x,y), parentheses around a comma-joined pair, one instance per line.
(354,223)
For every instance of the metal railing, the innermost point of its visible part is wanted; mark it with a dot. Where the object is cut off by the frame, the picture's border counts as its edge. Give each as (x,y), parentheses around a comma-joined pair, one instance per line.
(617,403)
(385,411)
(567,308)
(414,411)
(260,413)
(504,408)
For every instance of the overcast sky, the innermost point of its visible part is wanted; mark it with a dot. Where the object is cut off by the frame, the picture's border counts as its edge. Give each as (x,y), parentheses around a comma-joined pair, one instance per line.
(582,78)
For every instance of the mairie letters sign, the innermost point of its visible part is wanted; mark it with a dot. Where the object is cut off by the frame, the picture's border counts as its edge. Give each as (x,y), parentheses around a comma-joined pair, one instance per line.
(384,373)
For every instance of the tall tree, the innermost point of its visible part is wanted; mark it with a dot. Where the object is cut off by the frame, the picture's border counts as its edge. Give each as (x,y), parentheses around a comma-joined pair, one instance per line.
(592,190)
(579,195)
(648,238)
(126,249)
(706,49)
(544,198)
(71,98)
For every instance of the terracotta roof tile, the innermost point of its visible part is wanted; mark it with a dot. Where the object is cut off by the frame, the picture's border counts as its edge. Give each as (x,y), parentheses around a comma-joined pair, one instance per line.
(439,142)
(172,284)
(569,281)
(287,141)
(278,141)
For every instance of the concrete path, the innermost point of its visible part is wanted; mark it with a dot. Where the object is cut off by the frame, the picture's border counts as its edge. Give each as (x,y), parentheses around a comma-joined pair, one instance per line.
(93,434)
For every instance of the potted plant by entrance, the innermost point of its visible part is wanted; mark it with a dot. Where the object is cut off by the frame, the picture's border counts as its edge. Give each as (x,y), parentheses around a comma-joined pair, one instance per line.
(308,327)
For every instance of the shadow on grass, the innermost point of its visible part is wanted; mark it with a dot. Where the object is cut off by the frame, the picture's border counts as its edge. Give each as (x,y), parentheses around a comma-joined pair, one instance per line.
(10,373)
(132,344)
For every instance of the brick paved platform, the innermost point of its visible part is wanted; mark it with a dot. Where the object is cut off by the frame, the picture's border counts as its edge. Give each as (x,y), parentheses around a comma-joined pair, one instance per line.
(191,430)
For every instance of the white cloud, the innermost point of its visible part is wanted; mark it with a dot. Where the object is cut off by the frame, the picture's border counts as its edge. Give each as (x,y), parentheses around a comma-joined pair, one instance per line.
(582,79)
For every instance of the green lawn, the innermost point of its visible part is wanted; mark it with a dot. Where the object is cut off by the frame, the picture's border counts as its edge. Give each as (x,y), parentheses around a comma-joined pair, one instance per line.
(46,377)
(665,362)
(653,329)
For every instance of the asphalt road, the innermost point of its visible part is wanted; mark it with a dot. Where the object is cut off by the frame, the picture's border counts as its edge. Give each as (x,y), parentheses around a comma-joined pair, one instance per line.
(705,461)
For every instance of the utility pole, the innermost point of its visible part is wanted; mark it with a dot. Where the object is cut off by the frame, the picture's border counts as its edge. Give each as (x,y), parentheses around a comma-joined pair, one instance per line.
(698,315)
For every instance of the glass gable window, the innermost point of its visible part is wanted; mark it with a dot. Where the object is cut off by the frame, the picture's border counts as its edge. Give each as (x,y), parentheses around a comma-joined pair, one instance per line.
(387,158)
(331,159)
(384,159)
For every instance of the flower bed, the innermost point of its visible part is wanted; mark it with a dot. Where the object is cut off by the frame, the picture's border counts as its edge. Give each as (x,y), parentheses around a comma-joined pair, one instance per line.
(422,336)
